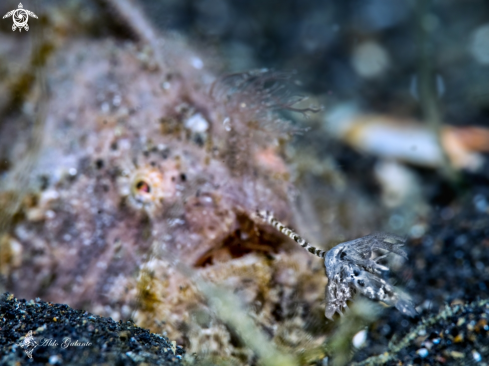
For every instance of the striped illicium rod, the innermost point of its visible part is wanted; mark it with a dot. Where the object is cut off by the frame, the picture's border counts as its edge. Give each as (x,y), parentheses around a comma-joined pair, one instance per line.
(268,217)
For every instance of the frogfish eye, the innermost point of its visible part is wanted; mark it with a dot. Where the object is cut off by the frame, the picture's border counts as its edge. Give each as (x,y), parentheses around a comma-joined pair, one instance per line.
(142,186)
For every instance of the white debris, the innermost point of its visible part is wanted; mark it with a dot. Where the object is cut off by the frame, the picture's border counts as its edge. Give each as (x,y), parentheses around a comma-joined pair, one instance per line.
(370,59)
(341,118)
(226,123)
(477,356)
(54,359)
(409,143)
(417,231)
(359,339)
(407,140)
(422,352)
(116,100)
(479,45)
(50,214)
(197,63)
(197,123)
(397,181)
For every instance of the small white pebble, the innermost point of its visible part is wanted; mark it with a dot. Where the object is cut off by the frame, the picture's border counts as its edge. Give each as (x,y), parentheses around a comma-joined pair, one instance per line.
(370,59)
(359,338)
(422,352)
(54,359)
(72,172)
(417,231)
(226,124)
(481,203)
(50,214)
(116,101)
(479,45)
(105,107)
(124,144)
(49,195)
(197,123)
(477,356)
(197,63)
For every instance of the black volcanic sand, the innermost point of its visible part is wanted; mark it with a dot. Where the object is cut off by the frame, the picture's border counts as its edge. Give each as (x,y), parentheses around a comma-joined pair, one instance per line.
(448,276)
(458,335)
(111,343)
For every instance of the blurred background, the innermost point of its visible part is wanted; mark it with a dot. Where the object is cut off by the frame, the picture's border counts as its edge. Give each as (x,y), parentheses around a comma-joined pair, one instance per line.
(368,51)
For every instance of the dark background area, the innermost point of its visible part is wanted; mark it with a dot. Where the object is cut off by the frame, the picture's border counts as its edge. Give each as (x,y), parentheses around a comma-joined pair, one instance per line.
(319,39)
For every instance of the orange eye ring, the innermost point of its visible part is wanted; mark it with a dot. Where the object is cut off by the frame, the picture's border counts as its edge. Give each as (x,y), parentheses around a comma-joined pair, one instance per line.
(142,186)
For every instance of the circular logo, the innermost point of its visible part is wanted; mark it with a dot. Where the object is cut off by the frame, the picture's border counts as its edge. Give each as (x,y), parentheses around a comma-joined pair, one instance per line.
(20,18)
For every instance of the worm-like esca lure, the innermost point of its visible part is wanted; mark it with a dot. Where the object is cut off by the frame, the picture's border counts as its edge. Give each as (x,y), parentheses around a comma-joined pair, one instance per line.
(350,268)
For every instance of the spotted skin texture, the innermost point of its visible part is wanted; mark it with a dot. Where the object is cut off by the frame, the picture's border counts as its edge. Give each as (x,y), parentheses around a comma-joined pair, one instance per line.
(350,268)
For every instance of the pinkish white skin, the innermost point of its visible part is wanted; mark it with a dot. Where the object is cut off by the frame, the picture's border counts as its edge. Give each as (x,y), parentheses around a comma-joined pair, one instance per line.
(139,181)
